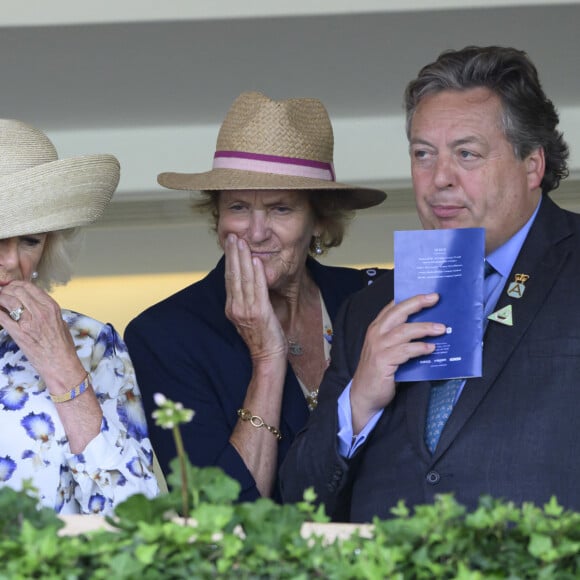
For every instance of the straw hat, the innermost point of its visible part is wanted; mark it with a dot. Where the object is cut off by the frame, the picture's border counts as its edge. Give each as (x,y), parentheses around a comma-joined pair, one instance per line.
(40,193)
(267,144)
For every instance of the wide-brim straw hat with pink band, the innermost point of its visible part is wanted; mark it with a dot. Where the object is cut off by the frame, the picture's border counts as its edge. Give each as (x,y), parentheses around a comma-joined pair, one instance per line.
(267,144)
(40,193)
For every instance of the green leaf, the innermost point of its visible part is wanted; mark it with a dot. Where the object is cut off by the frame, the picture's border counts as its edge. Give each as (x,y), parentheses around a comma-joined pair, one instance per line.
(553,508)
(18,506)
(146,553)
(138,508)
(540,545)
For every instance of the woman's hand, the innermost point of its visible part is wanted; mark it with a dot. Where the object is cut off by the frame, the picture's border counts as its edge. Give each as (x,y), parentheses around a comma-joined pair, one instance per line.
(248,307)
(44,338)
(41,334)
(248,304)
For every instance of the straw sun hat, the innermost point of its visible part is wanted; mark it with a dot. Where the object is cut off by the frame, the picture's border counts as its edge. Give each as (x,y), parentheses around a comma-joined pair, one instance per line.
(267,144)
(40,193)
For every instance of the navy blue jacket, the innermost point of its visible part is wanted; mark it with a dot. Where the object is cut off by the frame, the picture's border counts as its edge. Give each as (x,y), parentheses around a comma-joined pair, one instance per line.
(186,348)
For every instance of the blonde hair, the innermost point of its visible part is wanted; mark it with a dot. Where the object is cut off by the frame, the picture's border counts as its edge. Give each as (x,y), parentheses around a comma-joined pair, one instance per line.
(56,263)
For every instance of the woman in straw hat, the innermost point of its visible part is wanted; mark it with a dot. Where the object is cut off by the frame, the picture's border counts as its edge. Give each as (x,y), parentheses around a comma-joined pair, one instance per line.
(247,346)
(70,411)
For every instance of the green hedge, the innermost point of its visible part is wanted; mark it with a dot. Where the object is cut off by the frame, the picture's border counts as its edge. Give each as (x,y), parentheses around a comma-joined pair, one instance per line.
(263,540)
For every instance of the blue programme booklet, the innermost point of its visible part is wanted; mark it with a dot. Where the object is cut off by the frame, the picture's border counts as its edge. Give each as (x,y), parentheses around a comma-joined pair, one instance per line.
(451,263)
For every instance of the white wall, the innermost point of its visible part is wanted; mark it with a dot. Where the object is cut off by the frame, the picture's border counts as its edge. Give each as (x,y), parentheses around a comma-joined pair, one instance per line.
(370,149)
(41,12)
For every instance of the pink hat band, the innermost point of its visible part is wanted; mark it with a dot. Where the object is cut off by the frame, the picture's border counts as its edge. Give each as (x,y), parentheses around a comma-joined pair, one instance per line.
(274,164)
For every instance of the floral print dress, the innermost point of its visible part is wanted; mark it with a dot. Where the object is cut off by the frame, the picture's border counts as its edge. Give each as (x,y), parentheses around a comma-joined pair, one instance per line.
(33,444)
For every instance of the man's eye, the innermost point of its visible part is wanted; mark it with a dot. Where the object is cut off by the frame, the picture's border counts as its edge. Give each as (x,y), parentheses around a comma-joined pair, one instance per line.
(420,154)
(467,154)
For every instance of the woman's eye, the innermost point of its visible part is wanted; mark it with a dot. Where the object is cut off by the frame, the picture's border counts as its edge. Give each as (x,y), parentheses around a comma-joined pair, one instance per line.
(31,241)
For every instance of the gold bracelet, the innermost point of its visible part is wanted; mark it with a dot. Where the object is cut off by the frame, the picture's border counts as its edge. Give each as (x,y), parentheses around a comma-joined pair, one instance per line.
(255,421)
(75,392)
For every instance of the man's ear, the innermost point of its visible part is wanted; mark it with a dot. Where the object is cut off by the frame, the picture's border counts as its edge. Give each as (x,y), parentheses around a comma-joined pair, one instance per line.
(535,167)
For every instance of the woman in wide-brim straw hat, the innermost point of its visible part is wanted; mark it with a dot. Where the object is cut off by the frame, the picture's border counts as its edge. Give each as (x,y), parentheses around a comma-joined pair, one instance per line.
(71,417)
(247,346)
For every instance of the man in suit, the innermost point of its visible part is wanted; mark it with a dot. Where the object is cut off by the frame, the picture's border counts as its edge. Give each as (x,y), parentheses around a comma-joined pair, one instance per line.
(485,152)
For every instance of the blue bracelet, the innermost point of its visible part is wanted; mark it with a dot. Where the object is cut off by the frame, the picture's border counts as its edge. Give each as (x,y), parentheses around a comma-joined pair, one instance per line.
(74,392)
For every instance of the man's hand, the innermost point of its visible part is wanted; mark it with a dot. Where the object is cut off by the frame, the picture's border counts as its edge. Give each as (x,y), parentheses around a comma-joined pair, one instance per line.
(389,342)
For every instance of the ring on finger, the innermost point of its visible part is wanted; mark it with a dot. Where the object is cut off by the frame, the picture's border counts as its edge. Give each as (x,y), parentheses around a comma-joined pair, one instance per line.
(16,314)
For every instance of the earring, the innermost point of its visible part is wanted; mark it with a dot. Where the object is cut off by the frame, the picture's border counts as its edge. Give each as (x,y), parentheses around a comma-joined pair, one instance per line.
(317,247)
(34,275)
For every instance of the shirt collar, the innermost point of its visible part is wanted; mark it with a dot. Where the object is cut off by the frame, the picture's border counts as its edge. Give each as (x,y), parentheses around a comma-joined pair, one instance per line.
(504,257)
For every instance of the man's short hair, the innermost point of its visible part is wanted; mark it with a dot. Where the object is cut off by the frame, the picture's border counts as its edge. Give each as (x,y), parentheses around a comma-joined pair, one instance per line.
(529,118)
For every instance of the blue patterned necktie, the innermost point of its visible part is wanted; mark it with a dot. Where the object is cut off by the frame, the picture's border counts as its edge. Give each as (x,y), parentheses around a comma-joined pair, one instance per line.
(441,403)
(442,398)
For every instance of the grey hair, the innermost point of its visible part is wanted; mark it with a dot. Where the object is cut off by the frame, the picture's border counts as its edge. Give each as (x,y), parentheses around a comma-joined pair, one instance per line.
(60,251)
(329,211)
(529,119)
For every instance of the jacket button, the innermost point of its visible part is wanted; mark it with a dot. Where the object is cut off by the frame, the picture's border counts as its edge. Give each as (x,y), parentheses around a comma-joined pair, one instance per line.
(433,477)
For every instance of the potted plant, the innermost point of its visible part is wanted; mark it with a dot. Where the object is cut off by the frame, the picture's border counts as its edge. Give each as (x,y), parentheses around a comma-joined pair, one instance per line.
(203,532)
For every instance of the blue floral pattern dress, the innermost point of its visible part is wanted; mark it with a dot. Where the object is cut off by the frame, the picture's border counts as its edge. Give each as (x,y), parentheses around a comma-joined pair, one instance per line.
(33,444)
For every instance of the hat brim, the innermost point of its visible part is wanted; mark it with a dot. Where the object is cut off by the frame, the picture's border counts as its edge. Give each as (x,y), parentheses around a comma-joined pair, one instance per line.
(61,194)
(352,197)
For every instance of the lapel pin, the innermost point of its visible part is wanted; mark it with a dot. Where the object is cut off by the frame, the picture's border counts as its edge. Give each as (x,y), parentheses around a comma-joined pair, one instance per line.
(503,315)
(517,288)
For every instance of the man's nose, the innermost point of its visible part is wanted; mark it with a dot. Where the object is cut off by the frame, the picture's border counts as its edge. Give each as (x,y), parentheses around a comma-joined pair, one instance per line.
(444,176)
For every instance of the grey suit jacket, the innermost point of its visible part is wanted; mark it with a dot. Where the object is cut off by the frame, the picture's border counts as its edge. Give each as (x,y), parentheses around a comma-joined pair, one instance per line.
(514,432)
